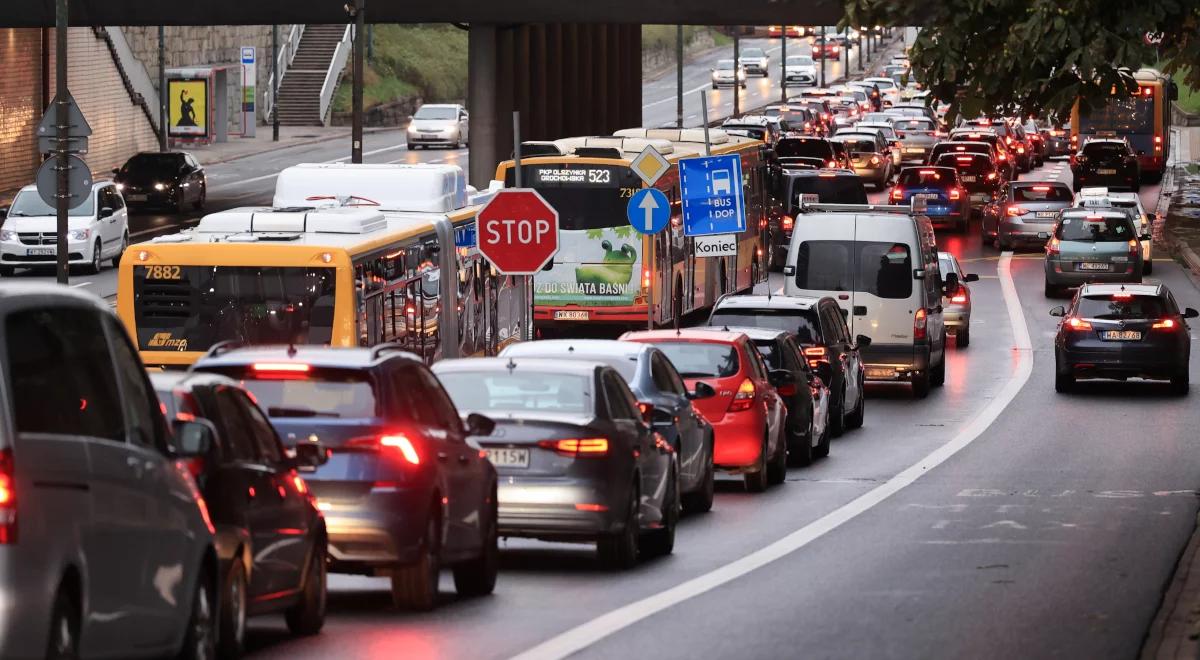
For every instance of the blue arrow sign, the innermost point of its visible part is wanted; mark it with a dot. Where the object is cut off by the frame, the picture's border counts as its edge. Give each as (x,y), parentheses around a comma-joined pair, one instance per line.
(648,211)
(711,189)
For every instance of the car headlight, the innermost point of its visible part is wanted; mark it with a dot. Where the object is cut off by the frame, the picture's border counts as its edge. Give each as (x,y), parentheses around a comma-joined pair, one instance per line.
(8,235)
(79,234)
(159,186)
(742,75)
(120,186)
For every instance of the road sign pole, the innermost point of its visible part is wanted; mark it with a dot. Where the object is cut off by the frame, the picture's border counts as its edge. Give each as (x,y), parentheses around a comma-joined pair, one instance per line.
(356,125)
(679,76)
(783,66)
(60,118)
(823,52)
(525,282)
(274,83)
(737,70)
(162,89)
(704,112)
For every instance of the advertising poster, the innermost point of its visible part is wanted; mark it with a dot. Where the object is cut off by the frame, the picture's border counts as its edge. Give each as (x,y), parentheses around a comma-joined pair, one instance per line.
(187,108)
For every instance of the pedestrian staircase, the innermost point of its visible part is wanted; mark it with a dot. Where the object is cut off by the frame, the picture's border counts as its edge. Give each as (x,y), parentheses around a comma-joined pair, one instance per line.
(302,84)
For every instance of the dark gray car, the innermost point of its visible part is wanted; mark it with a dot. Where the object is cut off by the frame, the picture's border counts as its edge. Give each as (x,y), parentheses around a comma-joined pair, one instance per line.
(654,381)
(918,135)
(577,460)
(870,156)
(1092,245)
(1023,211)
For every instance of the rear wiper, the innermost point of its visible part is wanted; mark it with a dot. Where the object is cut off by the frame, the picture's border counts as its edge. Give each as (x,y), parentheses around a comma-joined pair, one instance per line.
(298,412)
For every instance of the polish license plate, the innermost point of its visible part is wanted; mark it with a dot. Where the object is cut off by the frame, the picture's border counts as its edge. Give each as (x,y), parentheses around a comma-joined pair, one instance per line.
(571,315)
(880,372)
(1106,171)
(1045,214)
(1087,265)
(517,458)
(137,198)
(969,178)
(926,196)
(914,151)
(40,252)
(1121,335)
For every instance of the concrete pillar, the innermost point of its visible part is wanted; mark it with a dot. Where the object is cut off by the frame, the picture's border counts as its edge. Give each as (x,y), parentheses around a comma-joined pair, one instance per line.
(481,100)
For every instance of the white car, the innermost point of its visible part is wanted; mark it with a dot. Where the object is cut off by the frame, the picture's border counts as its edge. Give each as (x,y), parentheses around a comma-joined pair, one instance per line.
(800,70)
(97,230)
(441,124)
(1104,198)
(756,61)
(722,75)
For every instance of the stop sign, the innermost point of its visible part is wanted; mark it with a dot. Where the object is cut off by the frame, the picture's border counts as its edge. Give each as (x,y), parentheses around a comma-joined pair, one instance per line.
(518,231)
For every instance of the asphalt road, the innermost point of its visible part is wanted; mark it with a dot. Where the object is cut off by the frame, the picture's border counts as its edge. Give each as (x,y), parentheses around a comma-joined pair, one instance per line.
(993,519)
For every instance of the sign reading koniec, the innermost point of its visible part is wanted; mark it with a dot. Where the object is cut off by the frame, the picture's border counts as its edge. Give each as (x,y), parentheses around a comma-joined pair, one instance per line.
(518,231)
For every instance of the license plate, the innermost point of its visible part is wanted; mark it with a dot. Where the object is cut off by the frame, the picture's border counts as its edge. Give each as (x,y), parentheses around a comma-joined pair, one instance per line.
(1045,214)
(1106,171)
(926,196)
(1091,266)
(1121,335)
(518,458)
(914,151)
(880,372)
(571,315)
(968,179)
(40,252)
(137,198)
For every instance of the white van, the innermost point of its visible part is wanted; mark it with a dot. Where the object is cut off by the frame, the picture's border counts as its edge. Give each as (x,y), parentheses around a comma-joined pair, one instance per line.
(880,264)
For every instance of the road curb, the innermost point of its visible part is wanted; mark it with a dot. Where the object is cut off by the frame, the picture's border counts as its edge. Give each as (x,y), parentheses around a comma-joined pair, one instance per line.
(1175,632)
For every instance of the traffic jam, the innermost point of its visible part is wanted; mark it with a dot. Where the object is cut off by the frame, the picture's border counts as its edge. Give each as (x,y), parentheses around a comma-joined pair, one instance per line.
(390,375)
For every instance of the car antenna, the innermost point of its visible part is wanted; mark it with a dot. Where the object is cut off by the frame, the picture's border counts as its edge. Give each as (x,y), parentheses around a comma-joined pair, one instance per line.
(510,366)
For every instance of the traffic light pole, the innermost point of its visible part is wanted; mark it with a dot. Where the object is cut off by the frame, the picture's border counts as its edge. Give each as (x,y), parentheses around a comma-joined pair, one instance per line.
(62,129)
(679,76)
(356,127)
(823,52)
(274,83)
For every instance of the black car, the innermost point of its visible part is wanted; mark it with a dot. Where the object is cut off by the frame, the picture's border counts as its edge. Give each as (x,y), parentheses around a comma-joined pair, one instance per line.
(818,184)
(1106,162)
(978,174)
(406,489)
(1123,331)
(171,179)
(577,458)
(656,384)
(820,329)
(270,537)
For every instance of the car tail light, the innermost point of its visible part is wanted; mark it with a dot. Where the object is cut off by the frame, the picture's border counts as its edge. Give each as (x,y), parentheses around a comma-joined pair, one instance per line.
(786,390)
(394,442)
(1052,247)
(961,297)
(788,222)
(832,163)
(955,193)
(577,447)
(8,499)
(744,398)
(1041,188)
(1013,211)
(897,194)
(991,176)
(281,370)
(875,160)
(1165,324)
(816,355)
(964,159)
(920,324)
(1076,323)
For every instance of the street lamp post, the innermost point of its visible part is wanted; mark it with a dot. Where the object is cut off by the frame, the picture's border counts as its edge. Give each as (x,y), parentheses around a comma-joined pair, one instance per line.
(737,70)
(783,65)
(822,51)
(356,96)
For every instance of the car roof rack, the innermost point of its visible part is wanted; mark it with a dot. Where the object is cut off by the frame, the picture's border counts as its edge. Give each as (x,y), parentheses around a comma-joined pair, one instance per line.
(391,347)
(223,347)
(915,207)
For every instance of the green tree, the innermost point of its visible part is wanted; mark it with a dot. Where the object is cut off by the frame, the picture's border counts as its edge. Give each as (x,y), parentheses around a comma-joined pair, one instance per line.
(1036,56)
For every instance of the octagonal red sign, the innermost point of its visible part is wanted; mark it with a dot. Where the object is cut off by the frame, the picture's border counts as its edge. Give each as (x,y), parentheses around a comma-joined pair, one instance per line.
(518,231)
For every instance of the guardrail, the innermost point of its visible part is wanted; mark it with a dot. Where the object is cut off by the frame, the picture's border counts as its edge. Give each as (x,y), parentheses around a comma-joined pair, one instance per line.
(1179,117)
(287,53)
(335,73)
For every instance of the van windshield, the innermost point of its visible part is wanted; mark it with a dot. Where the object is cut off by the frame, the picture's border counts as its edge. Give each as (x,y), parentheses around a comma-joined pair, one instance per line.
(29,203)
(879,268)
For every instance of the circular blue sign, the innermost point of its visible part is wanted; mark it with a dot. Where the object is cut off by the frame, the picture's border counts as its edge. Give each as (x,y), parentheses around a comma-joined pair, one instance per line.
(649,211)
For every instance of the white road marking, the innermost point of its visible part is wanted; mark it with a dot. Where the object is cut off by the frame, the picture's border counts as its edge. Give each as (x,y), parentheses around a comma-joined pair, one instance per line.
(672,96)
(81,284)
(584,635)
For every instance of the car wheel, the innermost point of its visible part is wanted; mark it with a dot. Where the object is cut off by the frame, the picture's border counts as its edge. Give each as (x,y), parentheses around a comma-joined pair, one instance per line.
(962,338)
(116,261)
(97,263)
(1148,267)
(1063,382)
(756,481)
(937,375)
(199,203)
(661,542)
(477,577)
(1051,291)
(837,417)
(233,612)
(800,449)
(777,468)
(1180,381)
(63,643)
(701,501)
(200,636)
(920,385)
(415,587)
(180,203)
(822,448)
(620,550)
(307,616)
(858,415)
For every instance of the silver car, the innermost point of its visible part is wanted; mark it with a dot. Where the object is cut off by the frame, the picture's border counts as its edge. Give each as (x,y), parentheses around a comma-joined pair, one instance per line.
(957,306)
(106,548)
(723,76)
(756,61)
(870,156)
(1092,245)
(1023,211)
(917,136)
(439,125)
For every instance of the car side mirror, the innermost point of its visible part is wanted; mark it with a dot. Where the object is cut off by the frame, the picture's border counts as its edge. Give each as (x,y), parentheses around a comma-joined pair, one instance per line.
(107,212)
(310,456)
(970,277)
(1043,235)
(781,377)
(825,371)
(193,438)
(480,424)
(862,341)
(702,391)
(1058,311)
(952,284)
(789,271)
(1190,313)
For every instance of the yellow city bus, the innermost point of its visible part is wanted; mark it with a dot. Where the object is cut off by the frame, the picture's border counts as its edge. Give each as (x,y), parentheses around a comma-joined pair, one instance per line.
(606,275)
(1143,118)
(349,255)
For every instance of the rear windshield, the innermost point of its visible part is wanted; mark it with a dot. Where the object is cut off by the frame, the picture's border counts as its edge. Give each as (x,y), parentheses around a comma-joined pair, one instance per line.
(927,177)
(323,393)
(701,359)
(518,391)
(829,189)
(972,163)
(802,322)
(914,125)
(1094,229)
(1104,150)
(952,148)
(1115,308)
(1041,194)
(878,268)
(859,145)
(803,148)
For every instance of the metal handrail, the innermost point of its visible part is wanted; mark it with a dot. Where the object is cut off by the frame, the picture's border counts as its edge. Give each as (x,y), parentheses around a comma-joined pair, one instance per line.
(287,53)
(340,56)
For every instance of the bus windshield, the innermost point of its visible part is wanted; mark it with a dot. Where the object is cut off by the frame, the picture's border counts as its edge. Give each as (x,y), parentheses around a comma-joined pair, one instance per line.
(585,196)
(1124,116)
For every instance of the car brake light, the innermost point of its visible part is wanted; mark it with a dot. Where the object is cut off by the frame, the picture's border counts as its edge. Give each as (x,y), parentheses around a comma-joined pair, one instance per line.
(1052,247)
(281,370)
(1014,211)
(897,194)
(1041,188)
(8,499)
(959,298)
(1076,323)
(392,442)
(1020,150)
(955,194)
(875,160)
(831,163)
(1157,139)
(744,398)
(964,159)
(1002,158)
(919,324)
(991,176)
(788,222)
(1165,324)
(577,447)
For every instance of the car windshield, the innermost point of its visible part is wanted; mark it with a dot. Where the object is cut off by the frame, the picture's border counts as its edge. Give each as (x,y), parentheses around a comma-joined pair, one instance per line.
(1118,307)
(830,188)
(792,148)
(725,65)
(518,390)
(1104,150)
(800,321)
(434,112)
(879,117)
(1094,229)
(341,393)
(1041,193)
(878,268)
(29,203)
(927,177)
(153,164)
(694,359)
(799,60)
(857,144)
(753,52)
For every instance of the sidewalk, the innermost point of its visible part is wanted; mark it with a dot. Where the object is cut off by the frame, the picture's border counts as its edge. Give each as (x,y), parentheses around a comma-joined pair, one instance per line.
(289,136)
(1179,204)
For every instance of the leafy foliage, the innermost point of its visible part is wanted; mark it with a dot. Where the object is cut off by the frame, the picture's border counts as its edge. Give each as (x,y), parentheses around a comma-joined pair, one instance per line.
(1038,56)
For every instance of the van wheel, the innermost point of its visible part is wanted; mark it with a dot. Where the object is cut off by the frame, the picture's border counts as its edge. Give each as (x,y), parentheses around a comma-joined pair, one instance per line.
(307,616)
(620,550)
(477,577)
(777,468)
(756,482)
(415,587)
(858,415)
(962,338)
(920,385)
(63,642)
(937,376)
(94,267)
(233,612)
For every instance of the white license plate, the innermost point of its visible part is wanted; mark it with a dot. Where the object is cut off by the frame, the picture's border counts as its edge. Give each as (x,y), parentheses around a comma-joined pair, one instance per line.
(1091,266)
(1045,214)
(1106,171)
(1121,335)
(137,198)
(571,315)
(968,179)
(914,151)
(518,458)
(880,372)
(40,252)
(926,196)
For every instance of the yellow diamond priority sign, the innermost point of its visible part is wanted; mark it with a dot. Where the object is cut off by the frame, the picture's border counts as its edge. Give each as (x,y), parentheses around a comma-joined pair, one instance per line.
(649,165)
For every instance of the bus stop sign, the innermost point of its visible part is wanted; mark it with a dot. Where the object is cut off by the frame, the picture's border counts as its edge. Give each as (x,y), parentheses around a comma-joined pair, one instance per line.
(711,190)
(518,231)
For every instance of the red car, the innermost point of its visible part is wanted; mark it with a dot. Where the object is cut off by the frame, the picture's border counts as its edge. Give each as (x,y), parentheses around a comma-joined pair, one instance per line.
(826,50)
(746,412)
